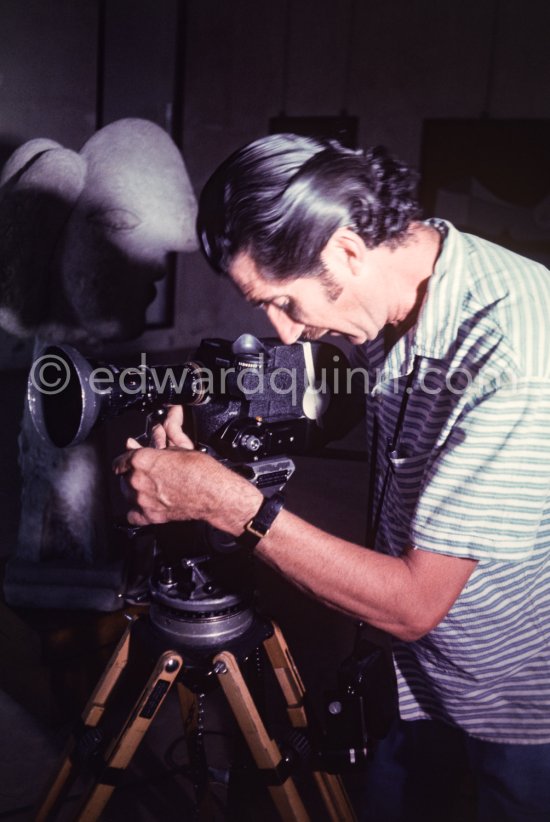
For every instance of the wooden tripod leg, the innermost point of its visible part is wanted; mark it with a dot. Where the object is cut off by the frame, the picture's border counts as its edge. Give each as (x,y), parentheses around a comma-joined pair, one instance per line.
(91,716)
(330,786)
(122,748)
(265,751)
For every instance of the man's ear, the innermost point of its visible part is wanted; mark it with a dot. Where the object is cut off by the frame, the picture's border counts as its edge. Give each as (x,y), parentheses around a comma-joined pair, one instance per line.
(344,252)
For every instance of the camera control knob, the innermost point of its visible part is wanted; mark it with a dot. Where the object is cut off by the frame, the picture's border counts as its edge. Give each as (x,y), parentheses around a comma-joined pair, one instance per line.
(335,707)
(251,442)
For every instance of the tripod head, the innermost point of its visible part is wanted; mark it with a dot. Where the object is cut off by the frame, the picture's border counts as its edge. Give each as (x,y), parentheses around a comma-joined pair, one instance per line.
(202,589)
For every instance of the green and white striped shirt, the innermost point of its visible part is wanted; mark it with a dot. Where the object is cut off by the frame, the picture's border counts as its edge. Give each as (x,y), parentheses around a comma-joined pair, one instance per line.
(470,477)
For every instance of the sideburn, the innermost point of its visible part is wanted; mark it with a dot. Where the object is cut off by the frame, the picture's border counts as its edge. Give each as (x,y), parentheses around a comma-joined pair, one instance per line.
(331,288)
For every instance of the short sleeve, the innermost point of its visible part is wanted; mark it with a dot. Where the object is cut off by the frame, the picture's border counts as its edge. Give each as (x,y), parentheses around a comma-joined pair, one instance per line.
(486,493)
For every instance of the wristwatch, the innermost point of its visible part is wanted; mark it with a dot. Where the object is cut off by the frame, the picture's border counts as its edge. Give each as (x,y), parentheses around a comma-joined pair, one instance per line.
(258,527)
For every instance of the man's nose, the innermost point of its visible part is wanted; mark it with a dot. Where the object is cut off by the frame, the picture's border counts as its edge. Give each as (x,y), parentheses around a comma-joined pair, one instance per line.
(288,330)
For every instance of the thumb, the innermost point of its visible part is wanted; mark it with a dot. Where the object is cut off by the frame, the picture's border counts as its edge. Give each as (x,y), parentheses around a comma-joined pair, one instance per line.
(132,444)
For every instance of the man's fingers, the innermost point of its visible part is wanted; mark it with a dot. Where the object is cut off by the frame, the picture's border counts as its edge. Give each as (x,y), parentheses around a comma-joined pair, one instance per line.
(122,463)
(158,437)
(136,518)
(169,432)
(164,436)
(180,440)
(175,434)
(173,426)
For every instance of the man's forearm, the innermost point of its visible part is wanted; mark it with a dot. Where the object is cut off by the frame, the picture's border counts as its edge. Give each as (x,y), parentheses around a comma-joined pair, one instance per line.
(355,580)
(405,596)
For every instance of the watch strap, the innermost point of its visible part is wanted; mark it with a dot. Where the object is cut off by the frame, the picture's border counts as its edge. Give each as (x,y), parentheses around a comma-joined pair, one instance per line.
(258,527)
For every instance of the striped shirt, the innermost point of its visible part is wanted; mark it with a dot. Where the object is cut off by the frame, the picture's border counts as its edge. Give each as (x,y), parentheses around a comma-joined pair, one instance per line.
(470,477)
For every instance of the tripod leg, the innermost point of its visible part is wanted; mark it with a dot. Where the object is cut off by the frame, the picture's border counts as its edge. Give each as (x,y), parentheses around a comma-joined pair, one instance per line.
(330,786)
(91,715)
(288,677)
(264,749)
(123,747)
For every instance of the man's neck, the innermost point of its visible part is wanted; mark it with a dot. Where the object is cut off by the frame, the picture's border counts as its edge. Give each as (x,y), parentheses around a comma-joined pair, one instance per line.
(414,263)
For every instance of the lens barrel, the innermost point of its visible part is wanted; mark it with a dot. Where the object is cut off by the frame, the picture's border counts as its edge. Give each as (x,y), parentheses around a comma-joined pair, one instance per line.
(68,394)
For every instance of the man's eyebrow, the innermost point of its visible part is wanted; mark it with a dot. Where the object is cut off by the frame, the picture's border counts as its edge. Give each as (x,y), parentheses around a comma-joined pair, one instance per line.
(255,302)
(248,294)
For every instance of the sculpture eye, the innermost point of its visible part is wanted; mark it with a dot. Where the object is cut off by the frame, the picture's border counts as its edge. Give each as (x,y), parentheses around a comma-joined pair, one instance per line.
(115,219)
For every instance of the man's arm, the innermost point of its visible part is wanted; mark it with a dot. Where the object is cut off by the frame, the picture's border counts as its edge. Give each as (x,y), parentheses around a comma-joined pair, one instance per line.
(406,596)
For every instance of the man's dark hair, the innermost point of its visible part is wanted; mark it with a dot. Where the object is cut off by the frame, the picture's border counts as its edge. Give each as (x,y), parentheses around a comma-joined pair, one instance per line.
(280,198)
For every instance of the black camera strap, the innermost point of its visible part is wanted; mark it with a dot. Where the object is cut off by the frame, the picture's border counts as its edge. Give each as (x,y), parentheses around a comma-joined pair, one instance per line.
(369,672)
(373,518)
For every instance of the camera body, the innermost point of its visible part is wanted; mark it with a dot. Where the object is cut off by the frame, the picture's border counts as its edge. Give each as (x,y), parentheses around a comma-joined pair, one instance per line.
(258,398)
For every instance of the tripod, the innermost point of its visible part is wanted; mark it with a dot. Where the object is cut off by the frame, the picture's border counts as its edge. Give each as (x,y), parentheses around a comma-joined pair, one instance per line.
(115,720)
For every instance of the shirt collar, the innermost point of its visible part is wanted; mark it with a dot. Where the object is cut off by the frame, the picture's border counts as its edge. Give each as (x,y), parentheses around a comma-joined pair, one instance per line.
(436,328)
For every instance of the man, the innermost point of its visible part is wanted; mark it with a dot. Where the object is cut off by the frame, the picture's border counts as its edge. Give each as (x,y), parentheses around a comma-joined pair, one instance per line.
(454,334)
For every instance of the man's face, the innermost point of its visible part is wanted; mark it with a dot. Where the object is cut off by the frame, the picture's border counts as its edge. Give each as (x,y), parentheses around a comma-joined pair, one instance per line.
(335,302)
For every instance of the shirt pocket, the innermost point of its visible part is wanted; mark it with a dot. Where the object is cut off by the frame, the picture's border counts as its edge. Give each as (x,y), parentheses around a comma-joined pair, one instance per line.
(405,483)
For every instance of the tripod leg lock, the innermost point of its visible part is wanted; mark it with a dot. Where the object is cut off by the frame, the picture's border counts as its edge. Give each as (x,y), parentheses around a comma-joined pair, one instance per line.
(88,739)
(107,775)
(280,773)
(295,756)
(86,753)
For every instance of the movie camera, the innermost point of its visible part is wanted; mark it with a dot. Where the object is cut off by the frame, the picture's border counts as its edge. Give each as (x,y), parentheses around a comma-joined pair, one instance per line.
(251,403)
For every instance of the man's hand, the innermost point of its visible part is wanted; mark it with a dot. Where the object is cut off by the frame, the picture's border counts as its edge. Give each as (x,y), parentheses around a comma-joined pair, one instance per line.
(171,483)
(170,432)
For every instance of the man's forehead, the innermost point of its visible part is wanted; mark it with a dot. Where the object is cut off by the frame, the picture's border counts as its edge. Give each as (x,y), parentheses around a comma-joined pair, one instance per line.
(243,268)
(249,280)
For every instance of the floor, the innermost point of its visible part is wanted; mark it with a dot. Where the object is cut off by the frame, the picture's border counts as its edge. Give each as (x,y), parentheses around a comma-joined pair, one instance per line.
(50,661)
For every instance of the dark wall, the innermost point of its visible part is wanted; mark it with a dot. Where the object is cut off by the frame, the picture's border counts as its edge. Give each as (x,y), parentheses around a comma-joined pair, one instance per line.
(392,64)
(224,69)
(47,70)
